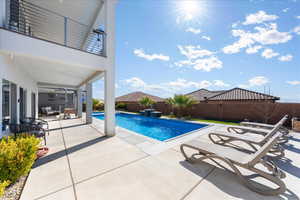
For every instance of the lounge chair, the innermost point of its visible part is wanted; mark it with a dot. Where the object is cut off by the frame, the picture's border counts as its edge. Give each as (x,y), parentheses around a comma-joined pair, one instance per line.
(223,138)
(260,131)
(235,158)
(283,130)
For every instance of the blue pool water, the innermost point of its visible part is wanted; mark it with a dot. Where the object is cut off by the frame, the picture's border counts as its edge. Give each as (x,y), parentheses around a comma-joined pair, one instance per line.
(160,129)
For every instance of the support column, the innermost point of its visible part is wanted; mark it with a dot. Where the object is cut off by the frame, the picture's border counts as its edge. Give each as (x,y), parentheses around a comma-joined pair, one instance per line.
(109,104)
(2,13)
(89,103)
(79,103)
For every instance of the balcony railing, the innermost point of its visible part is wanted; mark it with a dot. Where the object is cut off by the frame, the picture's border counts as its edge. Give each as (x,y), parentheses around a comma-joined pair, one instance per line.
(34,21)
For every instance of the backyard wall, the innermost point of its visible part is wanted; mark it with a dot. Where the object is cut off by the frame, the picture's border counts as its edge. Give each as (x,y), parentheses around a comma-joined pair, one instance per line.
(260,112)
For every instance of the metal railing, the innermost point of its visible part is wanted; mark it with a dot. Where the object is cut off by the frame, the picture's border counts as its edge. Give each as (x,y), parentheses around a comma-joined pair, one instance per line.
(32,20)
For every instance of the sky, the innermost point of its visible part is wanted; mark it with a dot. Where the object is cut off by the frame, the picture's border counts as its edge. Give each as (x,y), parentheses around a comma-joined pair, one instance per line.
(167,47)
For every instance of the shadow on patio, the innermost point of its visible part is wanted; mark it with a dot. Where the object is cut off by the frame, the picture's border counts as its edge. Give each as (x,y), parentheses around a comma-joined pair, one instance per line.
(70,150)
(227,182)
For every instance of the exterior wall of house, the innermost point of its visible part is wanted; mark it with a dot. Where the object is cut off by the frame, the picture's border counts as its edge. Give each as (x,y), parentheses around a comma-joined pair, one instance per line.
(12,73)
(14,44)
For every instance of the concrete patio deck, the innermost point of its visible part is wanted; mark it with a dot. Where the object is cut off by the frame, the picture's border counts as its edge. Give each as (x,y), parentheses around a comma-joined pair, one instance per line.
(83,164)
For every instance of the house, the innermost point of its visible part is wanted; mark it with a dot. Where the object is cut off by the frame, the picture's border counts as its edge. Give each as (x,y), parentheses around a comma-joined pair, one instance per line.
(236,95)
(55,45)
(135,97)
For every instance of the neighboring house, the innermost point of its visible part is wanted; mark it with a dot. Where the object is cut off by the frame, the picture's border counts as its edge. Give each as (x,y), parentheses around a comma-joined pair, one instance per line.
(237,95)
(63,45)
(135,97)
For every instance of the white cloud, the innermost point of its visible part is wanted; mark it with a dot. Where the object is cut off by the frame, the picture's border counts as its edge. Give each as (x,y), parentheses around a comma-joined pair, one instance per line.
(293,82)
(270,35)
(207,64)
(193,52)
(259,17)
(298,17)
(297,30)
(177,86)
(234,25)
(255,81)
(285,10)
(206,37)
(193,30)
(252,50)
(150,57)
(258,81)
(266,34)
(269,53)
(198,58)
(220,83)
(181,84)
(135,82)
(286,58)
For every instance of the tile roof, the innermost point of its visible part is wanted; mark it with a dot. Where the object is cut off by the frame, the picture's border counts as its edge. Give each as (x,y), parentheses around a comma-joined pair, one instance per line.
(203,94)
(235,94)
(136,96)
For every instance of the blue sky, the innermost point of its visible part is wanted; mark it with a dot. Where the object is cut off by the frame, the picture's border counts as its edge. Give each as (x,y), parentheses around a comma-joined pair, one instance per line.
(177,46)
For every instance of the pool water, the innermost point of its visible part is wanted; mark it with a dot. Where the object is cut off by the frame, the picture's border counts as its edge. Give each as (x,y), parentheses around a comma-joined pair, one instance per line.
(160,129)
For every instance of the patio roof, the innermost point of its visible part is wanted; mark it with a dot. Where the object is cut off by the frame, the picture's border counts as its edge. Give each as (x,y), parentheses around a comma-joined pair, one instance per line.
(48,73)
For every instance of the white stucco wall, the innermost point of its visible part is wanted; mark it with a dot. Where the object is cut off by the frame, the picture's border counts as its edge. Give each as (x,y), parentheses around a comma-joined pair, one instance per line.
(11,72)
(23,45)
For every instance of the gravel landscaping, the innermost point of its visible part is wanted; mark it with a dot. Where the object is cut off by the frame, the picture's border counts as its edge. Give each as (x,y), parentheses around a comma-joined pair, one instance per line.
(14,191)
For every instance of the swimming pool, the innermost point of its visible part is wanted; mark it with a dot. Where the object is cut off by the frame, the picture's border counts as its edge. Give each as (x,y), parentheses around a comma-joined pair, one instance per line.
(160,129)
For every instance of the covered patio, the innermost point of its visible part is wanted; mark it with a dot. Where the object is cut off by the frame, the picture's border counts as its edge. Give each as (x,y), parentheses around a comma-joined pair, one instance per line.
(85,164)
(64,78)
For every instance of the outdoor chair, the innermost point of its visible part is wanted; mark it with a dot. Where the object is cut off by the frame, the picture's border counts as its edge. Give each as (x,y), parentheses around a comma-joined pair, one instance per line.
(40,122)
(235,158)
(252,140)
(33,129)
(283,130)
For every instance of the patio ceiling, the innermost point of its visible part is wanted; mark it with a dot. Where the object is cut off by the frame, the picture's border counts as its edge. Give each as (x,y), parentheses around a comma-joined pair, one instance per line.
(46,72)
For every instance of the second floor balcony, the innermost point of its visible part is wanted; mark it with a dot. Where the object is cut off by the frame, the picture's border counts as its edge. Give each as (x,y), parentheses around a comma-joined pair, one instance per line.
(32,20)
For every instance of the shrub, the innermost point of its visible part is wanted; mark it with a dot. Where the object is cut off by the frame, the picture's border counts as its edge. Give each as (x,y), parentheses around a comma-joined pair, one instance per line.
(180,102)
(3,185)
(146,102)
(99,106)
(121,106)
(17,156)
